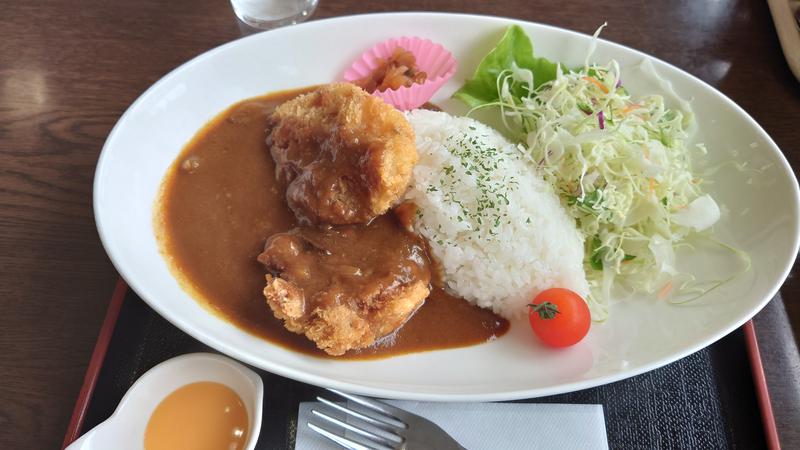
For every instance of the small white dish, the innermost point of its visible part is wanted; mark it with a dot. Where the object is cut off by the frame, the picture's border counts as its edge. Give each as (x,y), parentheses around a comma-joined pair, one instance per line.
(125,429)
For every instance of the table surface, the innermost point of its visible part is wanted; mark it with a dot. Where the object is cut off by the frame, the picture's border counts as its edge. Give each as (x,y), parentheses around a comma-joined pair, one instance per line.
(69,70)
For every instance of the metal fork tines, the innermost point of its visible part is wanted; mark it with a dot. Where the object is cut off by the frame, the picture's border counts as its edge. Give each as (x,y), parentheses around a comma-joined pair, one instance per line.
(370,424)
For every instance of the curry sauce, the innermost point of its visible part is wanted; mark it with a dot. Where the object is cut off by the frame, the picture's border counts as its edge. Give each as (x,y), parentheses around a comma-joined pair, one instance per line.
(220,201)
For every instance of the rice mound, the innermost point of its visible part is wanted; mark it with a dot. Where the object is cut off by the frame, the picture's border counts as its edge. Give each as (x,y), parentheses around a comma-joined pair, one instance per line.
(495,226)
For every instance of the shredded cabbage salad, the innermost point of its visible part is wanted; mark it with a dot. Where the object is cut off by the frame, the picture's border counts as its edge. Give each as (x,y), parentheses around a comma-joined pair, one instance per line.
(621,164)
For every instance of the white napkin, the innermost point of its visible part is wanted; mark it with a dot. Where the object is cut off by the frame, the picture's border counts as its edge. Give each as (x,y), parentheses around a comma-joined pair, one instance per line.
(491,426)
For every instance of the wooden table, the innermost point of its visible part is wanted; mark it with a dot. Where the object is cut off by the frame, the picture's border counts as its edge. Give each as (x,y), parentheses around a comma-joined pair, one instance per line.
(68,70)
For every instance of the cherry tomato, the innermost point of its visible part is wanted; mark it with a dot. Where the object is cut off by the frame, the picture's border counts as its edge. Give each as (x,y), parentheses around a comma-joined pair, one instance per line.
(559,317)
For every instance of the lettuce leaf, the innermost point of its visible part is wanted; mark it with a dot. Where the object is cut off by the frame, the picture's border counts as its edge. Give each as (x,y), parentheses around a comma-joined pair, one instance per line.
(514,49)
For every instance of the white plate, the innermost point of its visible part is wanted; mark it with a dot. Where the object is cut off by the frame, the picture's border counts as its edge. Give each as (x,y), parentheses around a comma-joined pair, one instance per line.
(641,334)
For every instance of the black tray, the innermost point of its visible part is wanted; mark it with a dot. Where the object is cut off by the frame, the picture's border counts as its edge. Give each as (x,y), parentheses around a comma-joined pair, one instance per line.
(706,400)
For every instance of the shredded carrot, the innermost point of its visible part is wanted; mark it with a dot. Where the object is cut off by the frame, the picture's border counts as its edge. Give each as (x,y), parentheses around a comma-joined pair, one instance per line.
(629,108)
(652,185)
(664,291)
(597,83)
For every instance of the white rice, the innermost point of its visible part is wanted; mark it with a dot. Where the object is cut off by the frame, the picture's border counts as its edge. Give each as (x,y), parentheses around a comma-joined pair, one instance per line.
(495,254)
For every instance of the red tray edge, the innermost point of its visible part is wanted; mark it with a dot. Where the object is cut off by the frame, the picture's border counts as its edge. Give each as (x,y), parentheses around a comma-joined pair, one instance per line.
(96,363)
(112,314)
(760,381)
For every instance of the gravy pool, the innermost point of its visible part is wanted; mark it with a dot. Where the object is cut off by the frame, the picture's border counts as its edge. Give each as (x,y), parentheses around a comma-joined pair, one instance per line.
(220,201)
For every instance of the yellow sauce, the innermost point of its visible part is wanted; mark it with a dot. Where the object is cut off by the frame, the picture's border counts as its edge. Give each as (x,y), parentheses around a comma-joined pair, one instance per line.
(199,416)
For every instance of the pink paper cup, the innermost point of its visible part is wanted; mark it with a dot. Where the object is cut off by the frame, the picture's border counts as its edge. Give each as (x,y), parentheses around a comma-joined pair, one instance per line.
(431,58)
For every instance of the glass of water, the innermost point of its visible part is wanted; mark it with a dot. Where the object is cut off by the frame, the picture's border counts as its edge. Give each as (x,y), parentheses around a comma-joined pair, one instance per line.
(266,14)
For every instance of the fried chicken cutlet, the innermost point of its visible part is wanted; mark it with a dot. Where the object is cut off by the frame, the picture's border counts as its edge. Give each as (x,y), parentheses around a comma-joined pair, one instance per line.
(345,155)
(346,287)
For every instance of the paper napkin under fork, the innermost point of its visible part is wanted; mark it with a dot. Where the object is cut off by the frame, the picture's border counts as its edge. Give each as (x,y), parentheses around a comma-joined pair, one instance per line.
(493,426)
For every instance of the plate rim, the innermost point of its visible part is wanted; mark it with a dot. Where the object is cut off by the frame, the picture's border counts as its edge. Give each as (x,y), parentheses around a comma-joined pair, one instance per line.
(399,393)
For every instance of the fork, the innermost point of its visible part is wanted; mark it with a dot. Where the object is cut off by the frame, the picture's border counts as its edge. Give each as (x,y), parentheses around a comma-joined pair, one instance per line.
(380,426)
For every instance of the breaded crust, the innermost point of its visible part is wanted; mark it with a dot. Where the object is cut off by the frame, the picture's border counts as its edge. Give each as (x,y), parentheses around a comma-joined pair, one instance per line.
(339,328)
(347,286)
(345,155)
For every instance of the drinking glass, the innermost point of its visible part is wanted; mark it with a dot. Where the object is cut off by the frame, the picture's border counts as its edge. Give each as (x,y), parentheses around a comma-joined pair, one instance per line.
(266,14)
